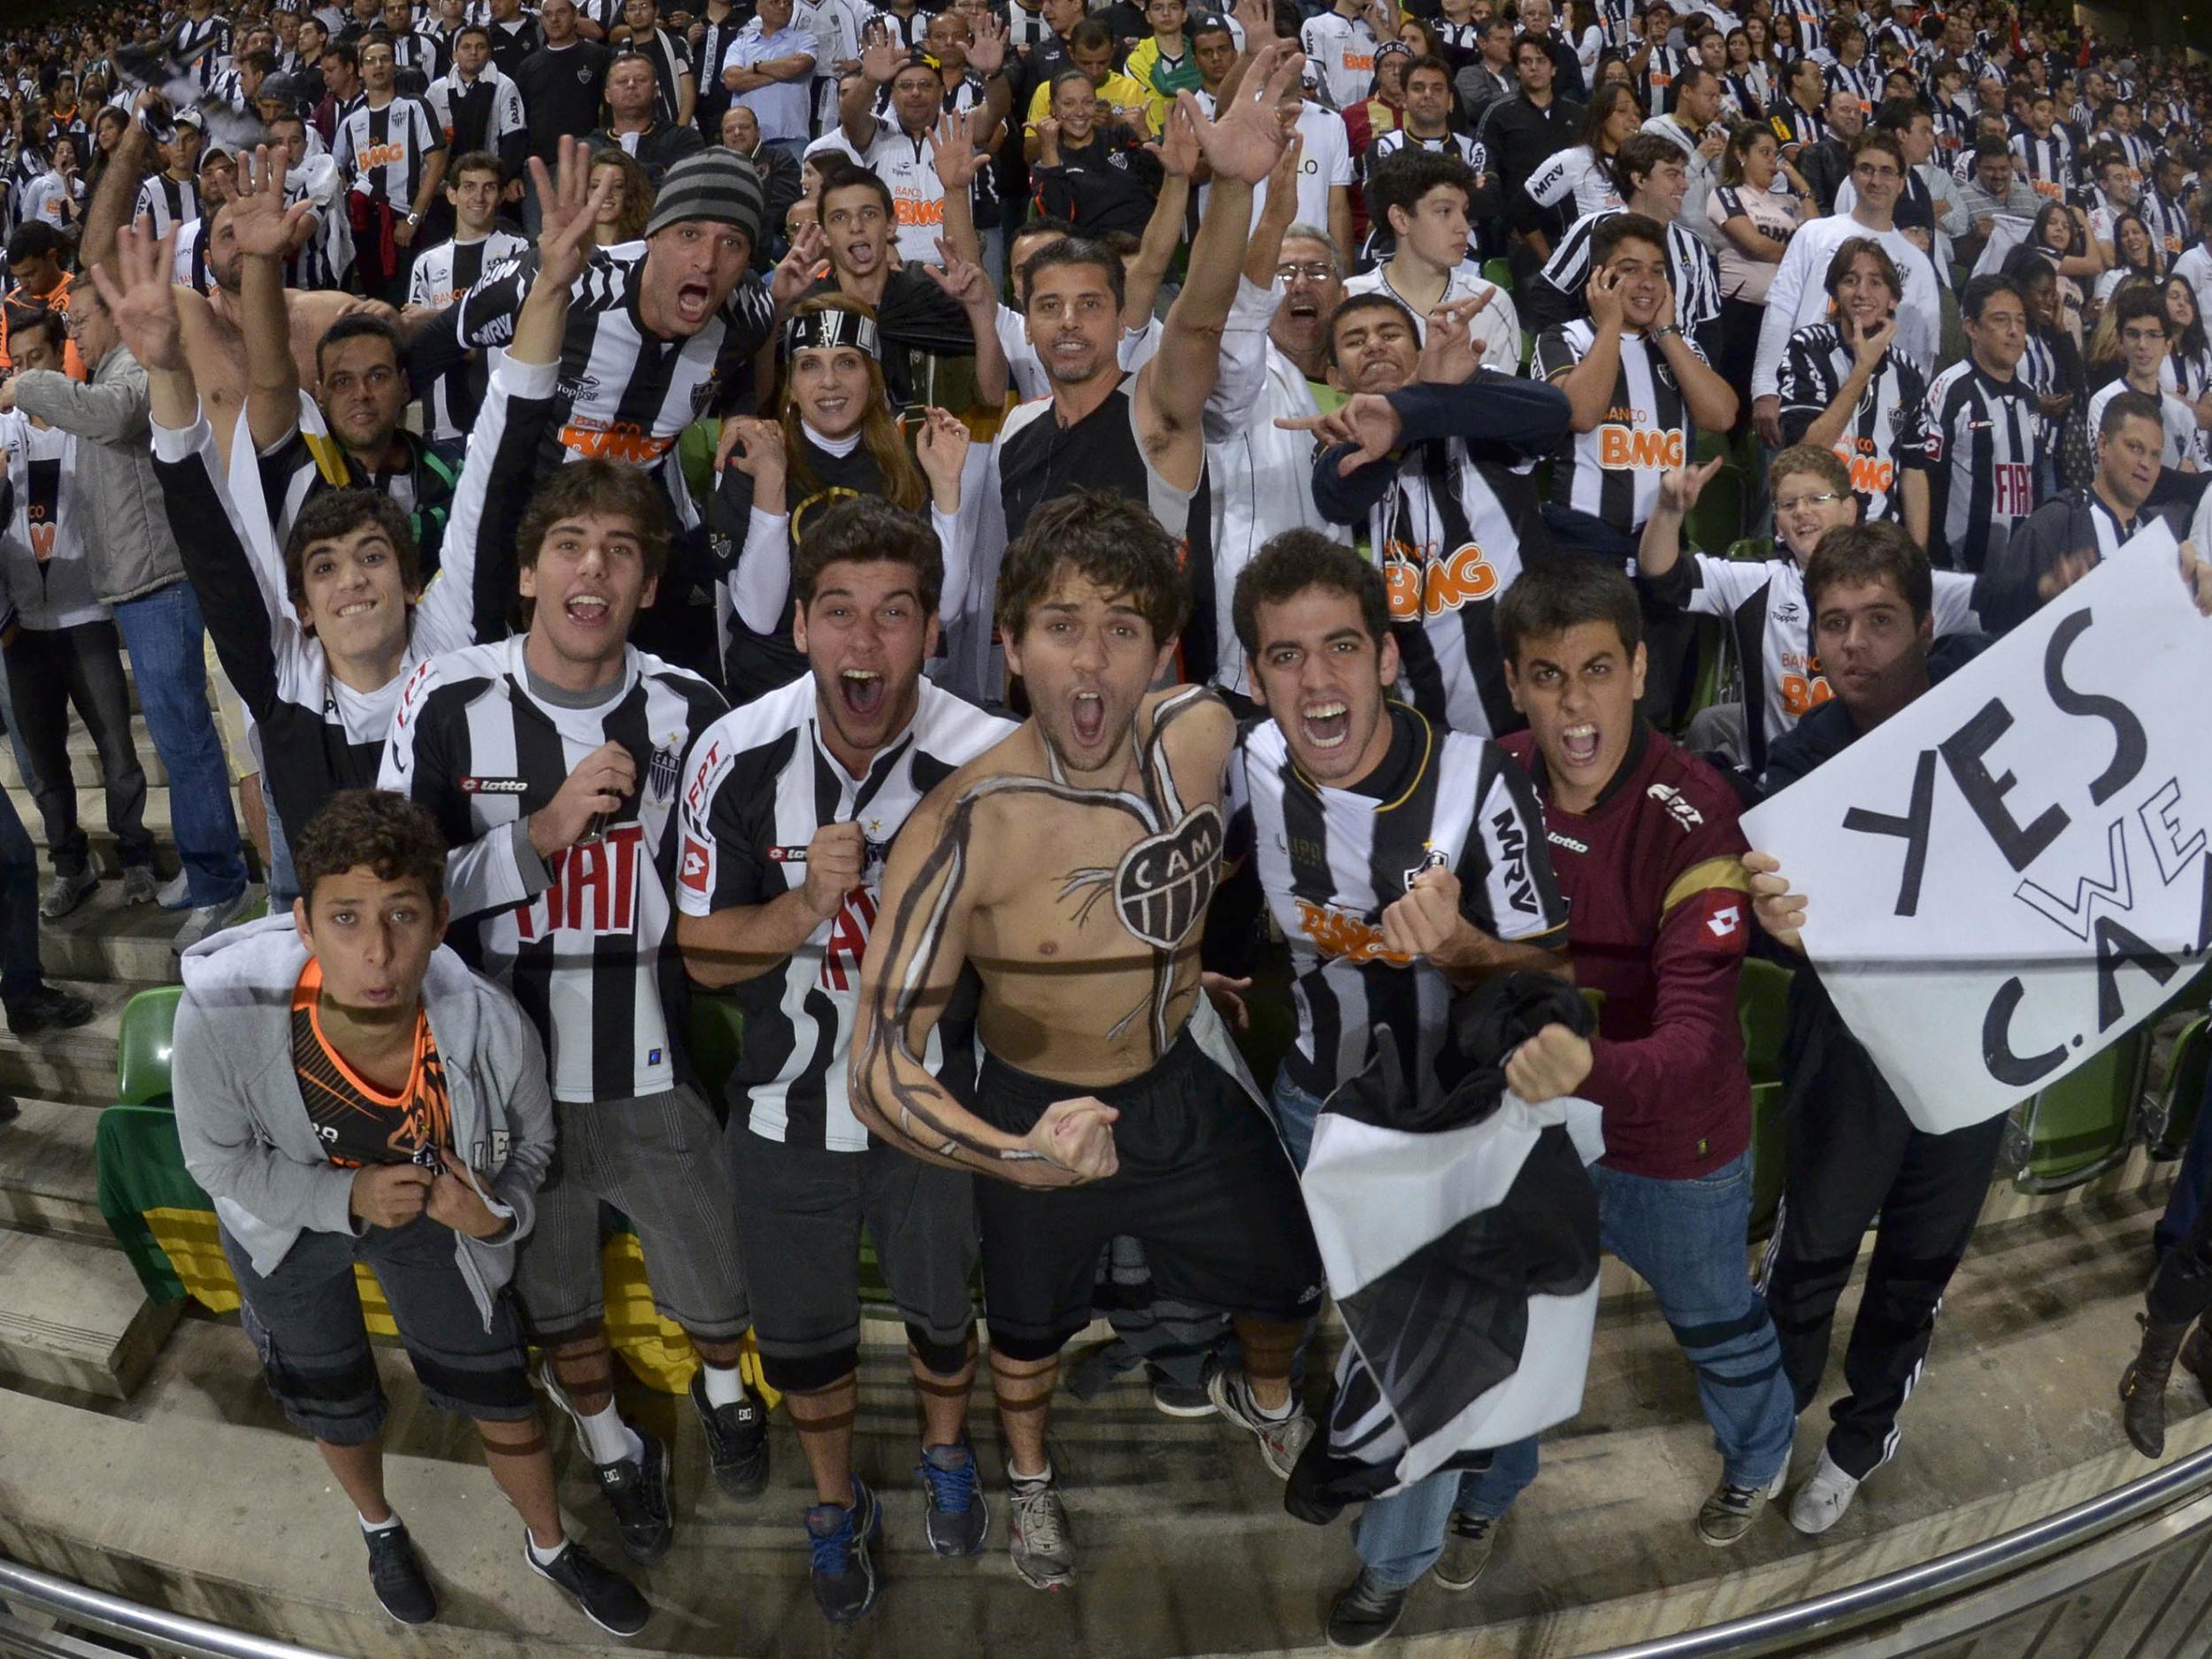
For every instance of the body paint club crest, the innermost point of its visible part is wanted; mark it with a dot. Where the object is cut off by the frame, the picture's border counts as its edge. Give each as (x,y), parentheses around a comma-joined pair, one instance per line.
(1164,882)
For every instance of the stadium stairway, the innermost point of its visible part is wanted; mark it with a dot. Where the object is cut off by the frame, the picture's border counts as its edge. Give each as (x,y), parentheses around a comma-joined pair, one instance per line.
(140,1455)
(73,1314)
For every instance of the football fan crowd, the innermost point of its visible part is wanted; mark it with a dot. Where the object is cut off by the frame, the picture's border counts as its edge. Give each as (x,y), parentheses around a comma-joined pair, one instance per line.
(1135,589)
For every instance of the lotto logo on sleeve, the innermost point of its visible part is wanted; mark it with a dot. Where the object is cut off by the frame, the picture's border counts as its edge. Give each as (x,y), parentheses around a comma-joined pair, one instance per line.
(1721,920)
(697,863)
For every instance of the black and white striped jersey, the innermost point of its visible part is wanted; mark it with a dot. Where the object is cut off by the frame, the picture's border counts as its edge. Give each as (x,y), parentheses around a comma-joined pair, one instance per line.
(1690,270)
(1470,151)
(440,276)
(386,151)
(1762,602)
(191,261)
(1795,126)
(1330,860)
(583,938)
(759,783)
(2046,164)
(1815,365)
(1618,19)
(168,202)
(629,394)
(1655,87)
(326,254)
(1862,80)
(204,43)
(421,51)
(1978,439)
(1612,471)
(2168,220)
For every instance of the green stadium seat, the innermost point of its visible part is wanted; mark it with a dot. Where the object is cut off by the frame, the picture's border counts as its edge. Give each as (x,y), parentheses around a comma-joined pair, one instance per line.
(2183,1094)
(1762,999)
(1717,519)
(143,1043)
(2084,1123)
(1499,271)
(1751,548)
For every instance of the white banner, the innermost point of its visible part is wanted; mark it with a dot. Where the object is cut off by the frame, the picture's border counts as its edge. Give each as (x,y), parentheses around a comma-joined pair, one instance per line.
(2008,874)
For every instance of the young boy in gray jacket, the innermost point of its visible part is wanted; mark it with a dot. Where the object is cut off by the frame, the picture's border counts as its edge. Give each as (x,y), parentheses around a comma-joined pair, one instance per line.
(348,1091)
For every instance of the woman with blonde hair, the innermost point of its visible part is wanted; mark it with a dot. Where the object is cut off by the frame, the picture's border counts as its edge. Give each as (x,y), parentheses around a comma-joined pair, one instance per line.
(834,436)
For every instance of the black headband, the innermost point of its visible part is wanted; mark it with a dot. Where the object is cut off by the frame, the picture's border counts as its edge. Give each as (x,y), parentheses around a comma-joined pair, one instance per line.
(833,325)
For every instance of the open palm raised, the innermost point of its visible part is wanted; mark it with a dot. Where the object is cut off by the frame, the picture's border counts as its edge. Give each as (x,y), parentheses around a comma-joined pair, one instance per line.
(1243,141)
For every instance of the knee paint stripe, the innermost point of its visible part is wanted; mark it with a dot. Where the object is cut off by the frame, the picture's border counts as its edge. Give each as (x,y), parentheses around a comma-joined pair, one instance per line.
(1023,1408)
(834,1424)
(577,1341)
(1749,1323)
(530,1447)
(940,1390)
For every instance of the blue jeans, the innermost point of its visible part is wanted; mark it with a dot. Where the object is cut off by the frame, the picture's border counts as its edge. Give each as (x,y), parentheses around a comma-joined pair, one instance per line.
(163,633)
(1686,1240)
(1295,1108)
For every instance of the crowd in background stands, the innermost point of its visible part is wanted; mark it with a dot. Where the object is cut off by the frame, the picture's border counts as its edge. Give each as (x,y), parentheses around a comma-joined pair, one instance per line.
(1550,272)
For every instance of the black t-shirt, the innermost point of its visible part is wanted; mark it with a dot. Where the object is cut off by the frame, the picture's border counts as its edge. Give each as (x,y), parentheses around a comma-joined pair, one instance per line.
(561,92)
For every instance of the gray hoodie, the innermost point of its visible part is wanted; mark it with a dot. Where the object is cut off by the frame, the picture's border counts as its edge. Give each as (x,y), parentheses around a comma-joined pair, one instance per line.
(246,1134)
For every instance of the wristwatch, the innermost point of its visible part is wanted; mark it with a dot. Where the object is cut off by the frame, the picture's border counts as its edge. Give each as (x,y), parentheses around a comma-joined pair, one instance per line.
(1657,335)
(413,220)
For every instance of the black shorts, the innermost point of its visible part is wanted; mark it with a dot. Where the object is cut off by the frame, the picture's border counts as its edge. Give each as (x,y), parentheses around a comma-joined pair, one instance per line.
(305,1322)
(800,1211)
(1204,1186)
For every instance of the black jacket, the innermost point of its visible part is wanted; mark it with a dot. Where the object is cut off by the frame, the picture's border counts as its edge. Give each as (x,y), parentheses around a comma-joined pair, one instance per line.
(2005,592)
(1520,138)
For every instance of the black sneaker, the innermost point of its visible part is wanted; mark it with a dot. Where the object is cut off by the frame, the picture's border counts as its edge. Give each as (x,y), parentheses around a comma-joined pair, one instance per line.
(403,1588)
(50,1007)
(1365,1612)
(954,1517)
(637,1492)
(608,1599)
(737,1440)
(844,1577)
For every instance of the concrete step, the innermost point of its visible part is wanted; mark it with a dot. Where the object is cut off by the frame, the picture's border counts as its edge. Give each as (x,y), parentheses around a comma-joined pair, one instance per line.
(48,1182)
(102,940)
(74,1068)
(84,758)
(197,1494)
(73,1315)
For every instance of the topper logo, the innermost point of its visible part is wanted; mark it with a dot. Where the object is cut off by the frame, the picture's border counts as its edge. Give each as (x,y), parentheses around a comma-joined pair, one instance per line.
(1421,586)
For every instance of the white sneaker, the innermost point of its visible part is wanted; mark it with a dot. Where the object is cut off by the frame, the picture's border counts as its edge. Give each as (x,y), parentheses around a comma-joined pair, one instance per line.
(1820,1502)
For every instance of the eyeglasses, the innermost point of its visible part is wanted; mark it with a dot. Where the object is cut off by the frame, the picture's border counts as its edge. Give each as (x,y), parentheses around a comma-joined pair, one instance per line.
(1317,270)
(1797,504)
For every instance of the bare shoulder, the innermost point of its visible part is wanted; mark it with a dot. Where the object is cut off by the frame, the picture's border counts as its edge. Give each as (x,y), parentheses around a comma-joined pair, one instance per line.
(1192,723)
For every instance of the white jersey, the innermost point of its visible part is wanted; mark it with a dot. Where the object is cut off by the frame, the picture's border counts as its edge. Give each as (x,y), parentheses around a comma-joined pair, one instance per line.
(908,170)
(1575,172)
(41,560)
(1342,51)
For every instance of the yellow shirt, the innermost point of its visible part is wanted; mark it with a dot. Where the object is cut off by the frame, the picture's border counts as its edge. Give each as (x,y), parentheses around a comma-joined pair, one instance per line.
(1119,92)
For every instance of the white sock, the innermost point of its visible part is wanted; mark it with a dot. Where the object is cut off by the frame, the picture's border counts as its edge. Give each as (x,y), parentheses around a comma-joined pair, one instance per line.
(723,1385)
(608,1438)
(544,1557)
(1020,1479)
(1273,1414)
(384,1525)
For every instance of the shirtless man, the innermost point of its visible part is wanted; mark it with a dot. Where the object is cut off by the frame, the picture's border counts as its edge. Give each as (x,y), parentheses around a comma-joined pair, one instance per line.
(1072,865)
(214,345)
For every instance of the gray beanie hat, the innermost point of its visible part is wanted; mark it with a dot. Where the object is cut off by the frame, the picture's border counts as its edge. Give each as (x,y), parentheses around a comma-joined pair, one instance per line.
(715,184)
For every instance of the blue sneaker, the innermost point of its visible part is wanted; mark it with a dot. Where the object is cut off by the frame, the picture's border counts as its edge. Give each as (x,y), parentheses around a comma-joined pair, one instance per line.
(953,1513)
(844,1577)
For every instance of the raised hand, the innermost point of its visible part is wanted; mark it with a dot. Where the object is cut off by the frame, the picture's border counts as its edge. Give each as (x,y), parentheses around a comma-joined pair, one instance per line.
(1666,317)
(1680,487)
(136,284)
(881,57)
(1867,350)
(568,210)
(1282,183)
(963,279)
(1244,140)
(952,148)
(1366,421)
(1780,912)
(1451,355)
(755,448)
(942,447)
(987,44)
(1603,293)
(1047,130)
(263,226)
(1176,147)
(795,272)
(1256,18)
(1426,920)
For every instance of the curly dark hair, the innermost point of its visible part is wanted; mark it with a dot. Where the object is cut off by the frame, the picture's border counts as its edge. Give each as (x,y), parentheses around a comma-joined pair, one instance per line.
(1290,564)
(391,833)
(341,512)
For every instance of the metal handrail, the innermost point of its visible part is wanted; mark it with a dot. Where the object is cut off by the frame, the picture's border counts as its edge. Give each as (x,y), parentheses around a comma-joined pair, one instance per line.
(113,1616)
(1825,1616)
(1841,1611)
